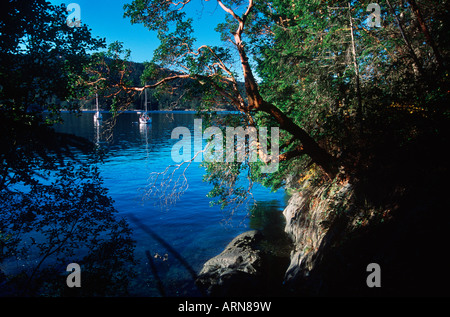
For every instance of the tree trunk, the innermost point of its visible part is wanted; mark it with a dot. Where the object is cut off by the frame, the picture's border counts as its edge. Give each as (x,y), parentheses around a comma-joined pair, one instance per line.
(417,65)
(357,77)
(310,147)
(256,103)
(427,34)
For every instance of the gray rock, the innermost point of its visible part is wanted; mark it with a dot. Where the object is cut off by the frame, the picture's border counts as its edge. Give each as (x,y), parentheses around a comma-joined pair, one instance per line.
(237,270)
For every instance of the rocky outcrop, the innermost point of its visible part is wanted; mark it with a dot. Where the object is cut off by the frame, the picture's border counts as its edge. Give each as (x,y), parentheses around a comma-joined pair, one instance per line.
(317,215)
(337,230)
(309,215)
(237,270)
(248,266)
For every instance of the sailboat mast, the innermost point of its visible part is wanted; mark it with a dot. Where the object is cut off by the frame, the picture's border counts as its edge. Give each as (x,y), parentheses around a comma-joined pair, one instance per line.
(145,102)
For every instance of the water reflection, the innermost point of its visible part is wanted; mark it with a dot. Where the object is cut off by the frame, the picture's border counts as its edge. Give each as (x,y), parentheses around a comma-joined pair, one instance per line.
(124,131)
(97,124)
(65,218)
(145,130)
(265,216)
(191,229)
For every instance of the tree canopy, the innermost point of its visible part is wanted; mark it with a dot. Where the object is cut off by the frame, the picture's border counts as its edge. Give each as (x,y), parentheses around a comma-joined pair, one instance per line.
(50,208)
(338,87)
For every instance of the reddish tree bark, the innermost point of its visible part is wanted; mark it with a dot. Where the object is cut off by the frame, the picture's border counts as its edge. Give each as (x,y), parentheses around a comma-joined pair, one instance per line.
(426,32)
(256,103)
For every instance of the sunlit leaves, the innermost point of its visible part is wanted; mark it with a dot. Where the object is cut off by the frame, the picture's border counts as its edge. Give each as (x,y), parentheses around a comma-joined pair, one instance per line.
(153,14)
(40,55)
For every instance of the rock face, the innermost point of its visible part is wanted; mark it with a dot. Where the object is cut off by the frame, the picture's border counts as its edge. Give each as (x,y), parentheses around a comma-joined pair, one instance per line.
(336,235)
(237,270)
(247,268)
(317,218)
(251,265)
(308,215)
(337,229)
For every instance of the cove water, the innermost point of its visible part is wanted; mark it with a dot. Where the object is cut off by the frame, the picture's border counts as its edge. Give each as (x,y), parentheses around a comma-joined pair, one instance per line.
(184,235)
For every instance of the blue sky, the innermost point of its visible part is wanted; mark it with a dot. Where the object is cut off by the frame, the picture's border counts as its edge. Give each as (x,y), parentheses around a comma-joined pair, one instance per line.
(105,19)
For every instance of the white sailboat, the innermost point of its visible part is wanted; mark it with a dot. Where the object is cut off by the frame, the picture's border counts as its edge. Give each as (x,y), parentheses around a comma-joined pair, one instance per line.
(97,116)
(145,117)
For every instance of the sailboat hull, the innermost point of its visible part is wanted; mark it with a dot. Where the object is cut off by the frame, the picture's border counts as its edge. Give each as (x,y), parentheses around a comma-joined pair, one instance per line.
(98,116)
(145,119)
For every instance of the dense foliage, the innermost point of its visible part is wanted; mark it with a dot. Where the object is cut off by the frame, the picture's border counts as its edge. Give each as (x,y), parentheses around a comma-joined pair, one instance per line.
(346,94)
(398,94)
(49,209)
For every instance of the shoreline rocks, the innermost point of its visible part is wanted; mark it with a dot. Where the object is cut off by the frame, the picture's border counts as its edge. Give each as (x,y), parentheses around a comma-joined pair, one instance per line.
(244,268)
(334,236)
(234,270)
(255,264)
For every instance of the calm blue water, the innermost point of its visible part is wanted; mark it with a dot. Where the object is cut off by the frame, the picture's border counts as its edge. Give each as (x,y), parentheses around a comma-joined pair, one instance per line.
(191,227)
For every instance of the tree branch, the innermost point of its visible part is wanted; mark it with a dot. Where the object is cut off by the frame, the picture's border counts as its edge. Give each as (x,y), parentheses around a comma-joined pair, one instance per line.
(407,42)
(298,151)
(257,103)
(424,28)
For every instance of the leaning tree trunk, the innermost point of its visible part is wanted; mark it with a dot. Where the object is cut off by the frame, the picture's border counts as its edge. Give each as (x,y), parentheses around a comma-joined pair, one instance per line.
(426,32)
(256,103)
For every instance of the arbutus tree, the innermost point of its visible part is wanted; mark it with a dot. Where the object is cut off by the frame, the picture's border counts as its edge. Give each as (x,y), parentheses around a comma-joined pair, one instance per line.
(209,66)
(208,72)
(314,69)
